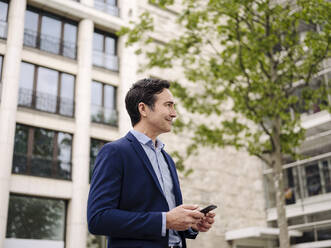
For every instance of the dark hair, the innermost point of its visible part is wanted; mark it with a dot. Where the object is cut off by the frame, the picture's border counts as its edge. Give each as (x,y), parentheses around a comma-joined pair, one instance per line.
(145,91)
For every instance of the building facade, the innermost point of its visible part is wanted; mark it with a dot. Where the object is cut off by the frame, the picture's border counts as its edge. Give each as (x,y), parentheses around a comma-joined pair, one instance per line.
(64,75)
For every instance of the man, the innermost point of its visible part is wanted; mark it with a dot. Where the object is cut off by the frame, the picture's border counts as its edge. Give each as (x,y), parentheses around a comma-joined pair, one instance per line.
(135,198)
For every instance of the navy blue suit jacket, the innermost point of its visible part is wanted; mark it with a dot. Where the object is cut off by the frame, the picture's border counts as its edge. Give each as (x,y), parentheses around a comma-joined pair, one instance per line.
(125,200)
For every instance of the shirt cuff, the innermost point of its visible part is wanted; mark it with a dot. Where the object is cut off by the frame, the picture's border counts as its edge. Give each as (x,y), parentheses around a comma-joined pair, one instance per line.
(164,224)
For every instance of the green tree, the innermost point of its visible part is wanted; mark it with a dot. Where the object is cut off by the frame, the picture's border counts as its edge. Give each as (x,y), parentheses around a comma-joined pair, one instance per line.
(255,58)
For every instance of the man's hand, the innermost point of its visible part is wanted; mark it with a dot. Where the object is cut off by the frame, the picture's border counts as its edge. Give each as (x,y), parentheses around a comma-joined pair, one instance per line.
(205,224)
(183,217)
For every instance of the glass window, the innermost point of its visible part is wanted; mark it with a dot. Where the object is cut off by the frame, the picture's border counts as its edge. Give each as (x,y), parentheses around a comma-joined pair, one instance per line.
(327,175)
(324,233)
(36,218)
(27,73)
(31,28)
(47,83)
(104,50)
(103,102)
(111,2)
(46,89)
(291,183)
(108,6)
(110,45)
(96,108)
(95,147)
(50,33)
(41,152)
(20,158)
(70,38)
(313,180)
(67,94)
(97,41)
(3,11)
(3,18)
(42,157)
(64,143)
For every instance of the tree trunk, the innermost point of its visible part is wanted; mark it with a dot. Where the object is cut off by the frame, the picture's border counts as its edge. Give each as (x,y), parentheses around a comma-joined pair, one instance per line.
(284,241)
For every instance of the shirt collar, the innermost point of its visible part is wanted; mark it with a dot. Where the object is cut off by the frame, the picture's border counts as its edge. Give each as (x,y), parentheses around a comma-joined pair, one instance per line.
(144,139)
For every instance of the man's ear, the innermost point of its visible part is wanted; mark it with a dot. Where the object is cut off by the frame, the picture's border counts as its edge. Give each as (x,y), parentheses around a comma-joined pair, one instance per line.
(142,107)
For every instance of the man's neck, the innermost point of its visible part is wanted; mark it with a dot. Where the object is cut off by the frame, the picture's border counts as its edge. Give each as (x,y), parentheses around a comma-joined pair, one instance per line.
(146,131)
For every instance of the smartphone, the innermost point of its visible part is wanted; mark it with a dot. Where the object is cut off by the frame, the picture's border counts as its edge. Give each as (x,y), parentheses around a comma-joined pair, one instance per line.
(208,209)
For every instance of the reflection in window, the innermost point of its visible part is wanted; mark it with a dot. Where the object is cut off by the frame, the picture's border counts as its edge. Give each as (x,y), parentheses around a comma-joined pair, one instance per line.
(3,18)
(313,180)
(103,109)
(41,152)
(50,33)
(104,50)
(46,89)
(35,218)
(291,183)
(94,149)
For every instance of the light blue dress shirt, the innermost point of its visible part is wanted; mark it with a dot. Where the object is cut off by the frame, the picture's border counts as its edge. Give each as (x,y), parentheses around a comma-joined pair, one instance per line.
(162,172)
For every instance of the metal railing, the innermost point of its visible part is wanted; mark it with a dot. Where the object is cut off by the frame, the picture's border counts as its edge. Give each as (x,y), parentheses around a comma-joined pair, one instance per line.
(301,181)
(106,7)
(3,29)
(46,102)
(49,43)
(104,60)
(100,114)
(41,166)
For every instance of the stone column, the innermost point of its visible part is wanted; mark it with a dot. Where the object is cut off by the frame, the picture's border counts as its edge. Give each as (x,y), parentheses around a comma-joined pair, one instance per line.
(77,224)
(128,66)
(8,106)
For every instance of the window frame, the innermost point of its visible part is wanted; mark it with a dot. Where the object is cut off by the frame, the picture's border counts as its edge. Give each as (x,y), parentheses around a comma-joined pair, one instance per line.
(62,41)
(30,153)
(65,215)
(103,85)
(58,93)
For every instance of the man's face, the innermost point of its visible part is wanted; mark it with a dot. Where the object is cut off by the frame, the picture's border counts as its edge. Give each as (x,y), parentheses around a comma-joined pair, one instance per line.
(160,118)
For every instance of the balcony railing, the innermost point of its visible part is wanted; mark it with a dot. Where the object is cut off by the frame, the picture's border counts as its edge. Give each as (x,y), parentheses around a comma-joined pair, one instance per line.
(104,115)
(106,7)
(3,29)
(46,102)
(49,43)
(104,60)
(302,181)
(41,167)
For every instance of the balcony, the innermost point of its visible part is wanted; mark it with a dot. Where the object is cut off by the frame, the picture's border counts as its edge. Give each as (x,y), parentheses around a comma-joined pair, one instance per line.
(302,180)
(41,167)
(3,29)
(106,7)
(104,60)
(46,102)
(49,44)
(104,115)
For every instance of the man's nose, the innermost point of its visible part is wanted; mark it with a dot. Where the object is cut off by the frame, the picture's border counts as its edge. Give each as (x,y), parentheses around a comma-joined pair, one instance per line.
(173,113)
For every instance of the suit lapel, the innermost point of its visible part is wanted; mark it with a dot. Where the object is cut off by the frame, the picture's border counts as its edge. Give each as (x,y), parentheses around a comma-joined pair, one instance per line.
(174,177)
(143,157)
